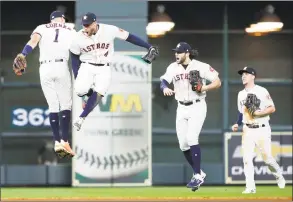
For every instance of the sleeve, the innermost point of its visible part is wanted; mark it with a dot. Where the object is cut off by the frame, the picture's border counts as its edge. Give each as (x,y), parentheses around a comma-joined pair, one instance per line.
(38,30)
(168,76)
(268,101)
(210,73)
(74,47)
(239,103)
(120,33)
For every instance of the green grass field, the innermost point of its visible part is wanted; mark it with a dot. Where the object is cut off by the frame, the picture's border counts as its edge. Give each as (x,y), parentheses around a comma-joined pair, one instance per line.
(144,192)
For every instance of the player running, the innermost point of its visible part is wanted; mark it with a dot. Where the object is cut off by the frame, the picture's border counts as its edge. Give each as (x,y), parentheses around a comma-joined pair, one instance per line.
(255,106)
(190,92)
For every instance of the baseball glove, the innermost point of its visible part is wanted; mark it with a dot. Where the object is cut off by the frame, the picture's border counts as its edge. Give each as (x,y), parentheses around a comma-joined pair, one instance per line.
(195,80)
(153,52)
(19,64)
(252,103)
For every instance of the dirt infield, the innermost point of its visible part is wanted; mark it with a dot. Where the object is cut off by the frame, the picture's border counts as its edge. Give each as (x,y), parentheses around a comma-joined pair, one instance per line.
(163,199)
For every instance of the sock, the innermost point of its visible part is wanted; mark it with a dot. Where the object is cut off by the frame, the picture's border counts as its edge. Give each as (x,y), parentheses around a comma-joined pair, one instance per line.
(54,122)
(92,102)
(188,157)
(65,120)
(196,158)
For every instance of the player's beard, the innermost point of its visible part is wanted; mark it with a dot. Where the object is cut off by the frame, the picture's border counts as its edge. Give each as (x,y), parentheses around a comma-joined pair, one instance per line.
(181,60)
(90,32)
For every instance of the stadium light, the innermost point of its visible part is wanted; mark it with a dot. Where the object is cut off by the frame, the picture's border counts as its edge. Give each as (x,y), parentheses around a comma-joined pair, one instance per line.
(160,23)
(269,22)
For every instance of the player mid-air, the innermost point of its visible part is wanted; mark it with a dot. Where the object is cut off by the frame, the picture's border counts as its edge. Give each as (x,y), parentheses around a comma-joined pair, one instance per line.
(54,39)
(189,76)
(91,53)
(255,106)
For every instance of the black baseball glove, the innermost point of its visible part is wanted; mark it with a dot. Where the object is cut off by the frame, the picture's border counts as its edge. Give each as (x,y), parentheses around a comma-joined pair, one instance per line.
(195,80)
(153,52)
(252,103)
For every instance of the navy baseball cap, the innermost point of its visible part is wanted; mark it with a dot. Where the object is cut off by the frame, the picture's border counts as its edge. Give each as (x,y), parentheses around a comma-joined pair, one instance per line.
(248,70)
(88,18)
(182,47)
(57,14)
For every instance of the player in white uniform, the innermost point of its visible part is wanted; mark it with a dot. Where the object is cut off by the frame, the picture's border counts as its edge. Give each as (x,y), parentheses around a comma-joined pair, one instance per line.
(256,130)
(54,40)
(192,107)
(91,53)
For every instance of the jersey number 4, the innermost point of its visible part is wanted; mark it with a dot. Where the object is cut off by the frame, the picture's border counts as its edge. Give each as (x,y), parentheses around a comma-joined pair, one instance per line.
(56,35)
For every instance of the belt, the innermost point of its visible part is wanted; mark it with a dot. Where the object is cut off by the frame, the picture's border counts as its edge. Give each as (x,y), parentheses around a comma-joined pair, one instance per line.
(48,61)
(189,102)
(96,64)
(255,125)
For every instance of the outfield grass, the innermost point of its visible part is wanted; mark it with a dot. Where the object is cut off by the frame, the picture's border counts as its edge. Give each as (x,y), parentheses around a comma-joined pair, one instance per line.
(144,192)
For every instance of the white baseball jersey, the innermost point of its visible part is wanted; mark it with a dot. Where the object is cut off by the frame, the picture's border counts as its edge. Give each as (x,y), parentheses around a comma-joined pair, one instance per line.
(265,101)
(55,40)
(98,48)
(177,74)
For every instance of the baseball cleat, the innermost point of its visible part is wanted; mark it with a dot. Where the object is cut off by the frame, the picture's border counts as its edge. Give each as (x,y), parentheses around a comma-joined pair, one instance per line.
(60,150)
(281,182)
(249,191)
(68,149)
(195,182)
(203,175)
(77,124)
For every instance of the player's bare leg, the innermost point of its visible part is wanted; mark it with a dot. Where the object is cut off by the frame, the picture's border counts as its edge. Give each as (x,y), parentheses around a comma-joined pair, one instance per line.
(93,100)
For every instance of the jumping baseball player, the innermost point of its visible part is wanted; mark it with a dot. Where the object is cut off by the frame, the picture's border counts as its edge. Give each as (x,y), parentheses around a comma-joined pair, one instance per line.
(189,79)
(91,53)
(255,106)
(54,40)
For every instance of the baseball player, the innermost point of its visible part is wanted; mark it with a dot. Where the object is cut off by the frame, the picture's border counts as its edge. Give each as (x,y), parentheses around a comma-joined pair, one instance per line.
(255,116)
(91,53)
(54,39)
(192,107)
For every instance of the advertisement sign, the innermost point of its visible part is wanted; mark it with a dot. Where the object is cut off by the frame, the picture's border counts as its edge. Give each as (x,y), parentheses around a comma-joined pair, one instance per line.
(281,150)
(113,146)
(30,117)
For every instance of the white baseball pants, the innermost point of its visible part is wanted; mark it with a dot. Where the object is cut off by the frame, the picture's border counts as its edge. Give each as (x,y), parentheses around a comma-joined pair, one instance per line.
(189,122)
(56,85)
(257,138)
(90,76)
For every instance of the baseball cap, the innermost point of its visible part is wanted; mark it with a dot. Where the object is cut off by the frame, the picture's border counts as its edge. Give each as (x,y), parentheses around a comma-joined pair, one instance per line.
(248,70)
(57,14)
(182,47)
(88,18)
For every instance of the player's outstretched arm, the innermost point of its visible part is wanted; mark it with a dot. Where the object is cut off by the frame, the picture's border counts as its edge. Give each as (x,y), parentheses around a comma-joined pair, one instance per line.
(19,62)
(31,44)
(75,61)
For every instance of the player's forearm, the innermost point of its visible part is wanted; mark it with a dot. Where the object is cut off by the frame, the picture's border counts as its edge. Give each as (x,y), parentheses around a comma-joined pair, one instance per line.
(214,85)
(137,41)
(75,64)
(163,85)
(239,119)
(267,111)
(31,44)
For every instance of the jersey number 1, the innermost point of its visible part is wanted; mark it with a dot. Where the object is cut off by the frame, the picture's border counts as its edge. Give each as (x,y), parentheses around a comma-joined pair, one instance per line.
(56,35)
